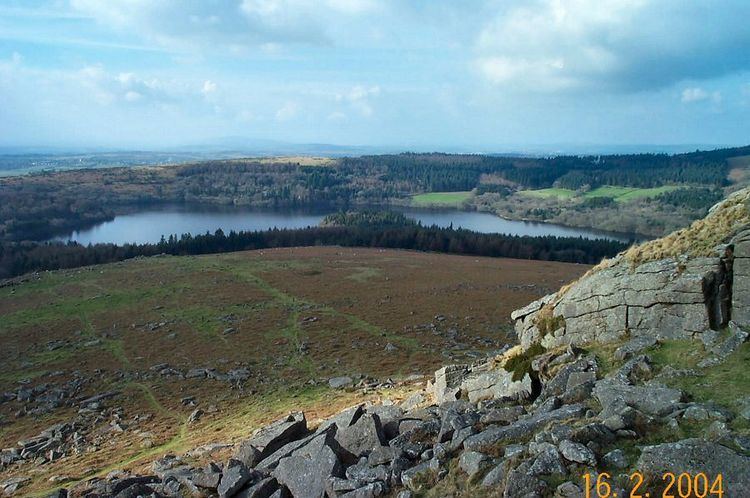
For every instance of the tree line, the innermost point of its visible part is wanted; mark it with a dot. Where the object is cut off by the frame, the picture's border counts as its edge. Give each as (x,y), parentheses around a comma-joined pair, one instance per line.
(24,257)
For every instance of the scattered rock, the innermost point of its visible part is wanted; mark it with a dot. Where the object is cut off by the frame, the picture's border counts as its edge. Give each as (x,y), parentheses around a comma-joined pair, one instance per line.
(340,382)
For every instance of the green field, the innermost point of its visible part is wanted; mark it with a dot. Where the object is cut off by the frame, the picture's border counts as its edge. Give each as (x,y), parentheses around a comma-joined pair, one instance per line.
(620,194)
(442,199)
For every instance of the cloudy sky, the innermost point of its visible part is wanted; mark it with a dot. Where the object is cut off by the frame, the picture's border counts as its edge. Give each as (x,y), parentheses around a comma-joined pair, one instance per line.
(489,75)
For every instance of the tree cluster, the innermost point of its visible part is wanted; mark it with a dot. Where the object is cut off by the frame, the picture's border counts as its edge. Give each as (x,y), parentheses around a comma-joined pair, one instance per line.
(19,258)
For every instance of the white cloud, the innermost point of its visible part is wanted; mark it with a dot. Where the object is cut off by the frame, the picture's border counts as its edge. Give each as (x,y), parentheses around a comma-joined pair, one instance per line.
(234,25)
(358,98)
(698,94)
(288,111)
(132,96)
(622,45)
(108,88)
(208,87)
(694,94)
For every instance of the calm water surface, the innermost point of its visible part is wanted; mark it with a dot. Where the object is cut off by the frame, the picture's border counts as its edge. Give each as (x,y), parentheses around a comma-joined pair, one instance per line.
(149,224)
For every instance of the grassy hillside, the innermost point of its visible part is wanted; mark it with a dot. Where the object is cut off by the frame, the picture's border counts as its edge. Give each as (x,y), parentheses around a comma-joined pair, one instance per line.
(287,319)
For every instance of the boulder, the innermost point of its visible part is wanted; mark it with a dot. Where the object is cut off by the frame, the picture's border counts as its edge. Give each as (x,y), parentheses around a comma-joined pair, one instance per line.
(235,476)
(578,453)
(248,454)
(523,429)
(548,462)
(382,455)
(572,490)
(390,417)
(362,437)
(209,477)
(340,382)
(495,477)
(652,400)
(473,462)
(274,436)
(558,383)
(736,338)
(415,477)
(343,419)
(306,474)
(615,459)
(272,460)
(264,488)
(454,420)
(503,415)
(363,472)
(521,483)
(414,401)
(635,345)
(368,491)
(694,456)
(490,382)
(447,385)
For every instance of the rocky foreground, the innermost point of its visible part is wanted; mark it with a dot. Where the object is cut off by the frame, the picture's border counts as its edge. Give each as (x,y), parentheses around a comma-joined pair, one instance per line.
(588,392)
(477,426)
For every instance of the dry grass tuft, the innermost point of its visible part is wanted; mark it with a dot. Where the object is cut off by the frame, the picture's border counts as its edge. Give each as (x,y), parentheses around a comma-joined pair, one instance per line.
(701,238)
(724,220)
(546,321)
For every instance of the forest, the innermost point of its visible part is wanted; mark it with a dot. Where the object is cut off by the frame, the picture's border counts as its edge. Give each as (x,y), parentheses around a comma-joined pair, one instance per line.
(359,229)
(41,205)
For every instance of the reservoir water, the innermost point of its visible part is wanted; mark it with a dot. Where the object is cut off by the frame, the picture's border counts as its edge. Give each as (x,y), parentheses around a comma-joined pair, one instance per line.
(149,224)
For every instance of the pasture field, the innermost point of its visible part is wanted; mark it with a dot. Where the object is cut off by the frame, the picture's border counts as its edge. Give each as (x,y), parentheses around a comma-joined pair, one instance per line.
(244,337)
(440,199)
(619,194)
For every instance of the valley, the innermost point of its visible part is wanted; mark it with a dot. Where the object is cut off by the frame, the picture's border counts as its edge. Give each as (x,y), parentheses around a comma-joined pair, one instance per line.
(234,341)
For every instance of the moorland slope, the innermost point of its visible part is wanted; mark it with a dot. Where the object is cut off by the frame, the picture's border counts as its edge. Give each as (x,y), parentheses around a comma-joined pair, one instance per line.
(591,400)
(111,366)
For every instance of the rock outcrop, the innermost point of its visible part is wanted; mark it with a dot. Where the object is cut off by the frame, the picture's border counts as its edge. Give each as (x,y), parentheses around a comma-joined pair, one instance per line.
(681,296)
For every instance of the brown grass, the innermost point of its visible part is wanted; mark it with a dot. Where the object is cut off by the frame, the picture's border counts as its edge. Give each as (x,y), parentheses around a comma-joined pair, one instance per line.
(701,238)
(345,304)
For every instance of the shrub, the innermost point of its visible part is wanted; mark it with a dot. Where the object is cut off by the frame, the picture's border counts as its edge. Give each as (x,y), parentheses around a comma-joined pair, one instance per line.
(520,365)
(546,322)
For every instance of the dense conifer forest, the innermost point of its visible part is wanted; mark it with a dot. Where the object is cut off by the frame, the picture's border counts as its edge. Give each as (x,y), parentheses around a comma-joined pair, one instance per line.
(360,229)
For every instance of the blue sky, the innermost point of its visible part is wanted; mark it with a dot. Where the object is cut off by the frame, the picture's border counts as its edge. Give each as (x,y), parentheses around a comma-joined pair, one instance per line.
(484,75)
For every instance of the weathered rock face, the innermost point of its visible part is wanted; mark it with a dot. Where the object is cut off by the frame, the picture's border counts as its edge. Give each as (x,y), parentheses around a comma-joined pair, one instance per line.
(664,299)
(741,280)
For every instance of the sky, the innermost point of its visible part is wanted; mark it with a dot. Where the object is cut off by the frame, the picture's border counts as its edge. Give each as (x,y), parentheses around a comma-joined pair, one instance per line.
(479,75)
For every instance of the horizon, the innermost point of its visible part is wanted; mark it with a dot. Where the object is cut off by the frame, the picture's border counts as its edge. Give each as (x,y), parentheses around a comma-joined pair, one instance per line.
(272,148)
(488,77)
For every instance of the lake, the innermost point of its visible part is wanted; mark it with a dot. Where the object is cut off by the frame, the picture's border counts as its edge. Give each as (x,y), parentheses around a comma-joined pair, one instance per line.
(149,224)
